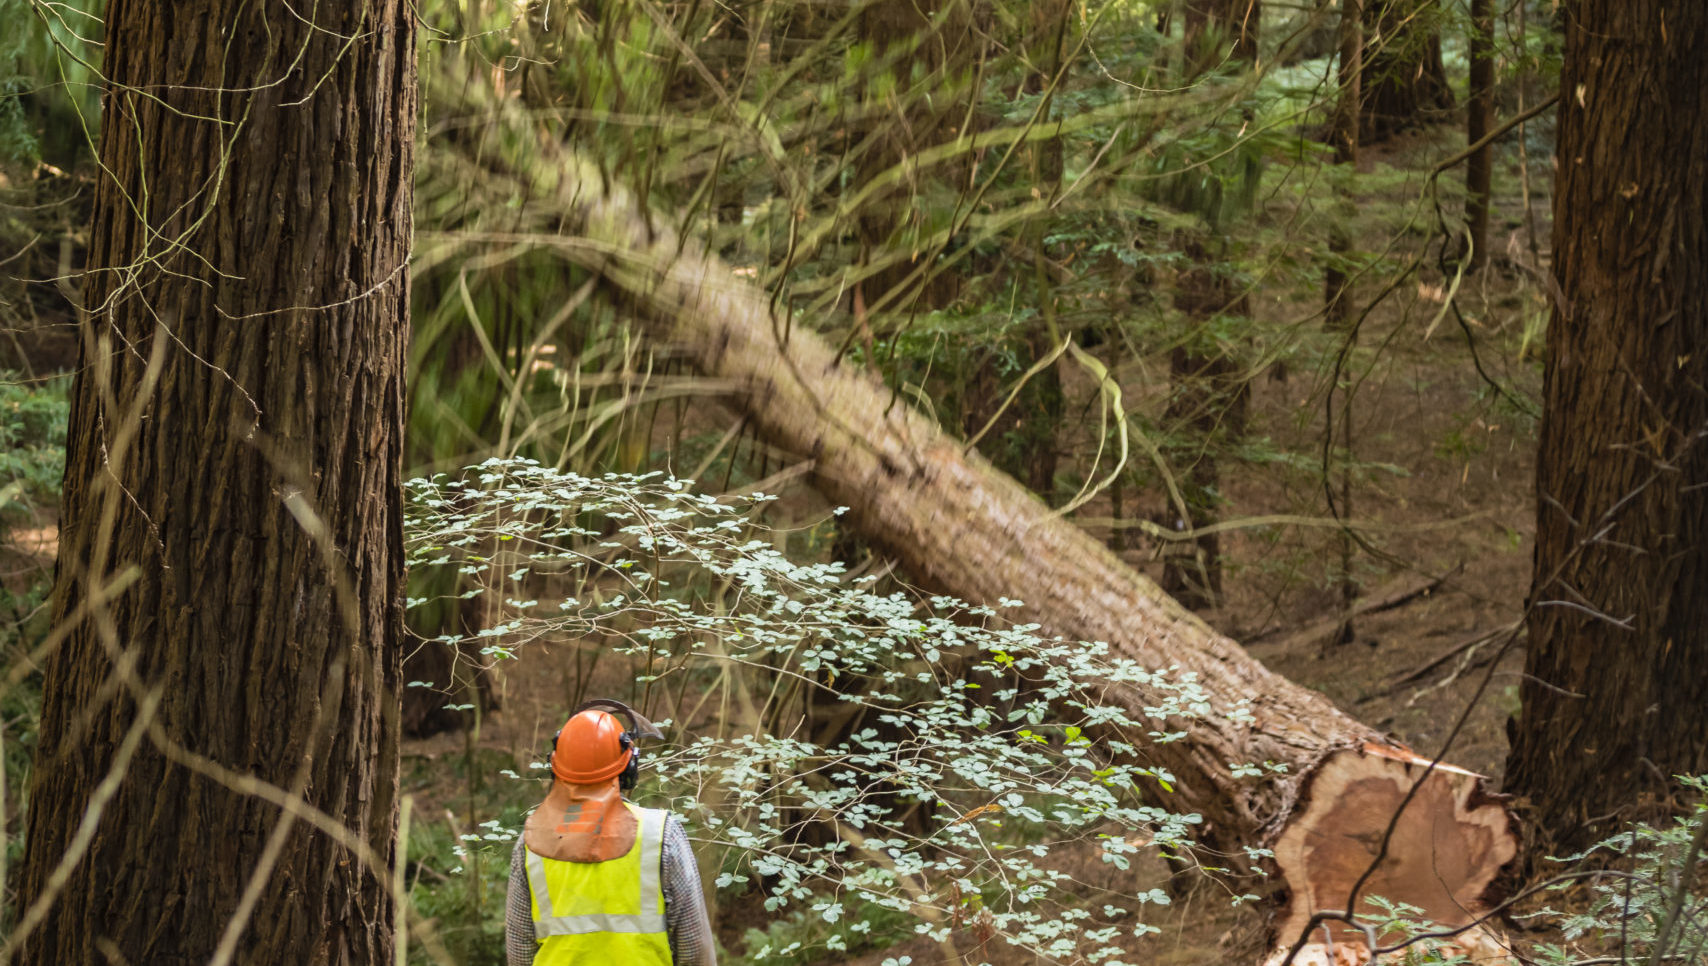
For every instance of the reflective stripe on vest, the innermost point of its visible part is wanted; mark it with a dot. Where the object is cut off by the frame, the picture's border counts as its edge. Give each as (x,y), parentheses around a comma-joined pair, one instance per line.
(647,900)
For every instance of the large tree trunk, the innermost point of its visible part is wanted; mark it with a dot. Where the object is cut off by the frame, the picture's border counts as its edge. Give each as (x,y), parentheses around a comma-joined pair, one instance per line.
(1615,698)
(959,526)
(235,452)
(1404,81)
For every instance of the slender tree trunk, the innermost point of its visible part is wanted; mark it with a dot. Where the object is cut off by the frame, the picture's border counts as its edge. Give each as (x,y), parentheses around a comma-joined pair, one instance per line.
(235,453)
(1218,30)
(453,676)
(1404,81)
(1042,406)
(1523,86)
(928,49)
(1344,138)
(1337,298)
(1615,696)
(1479,112)
(453,367)
(1208,400)
(1207,408)
(1043,401)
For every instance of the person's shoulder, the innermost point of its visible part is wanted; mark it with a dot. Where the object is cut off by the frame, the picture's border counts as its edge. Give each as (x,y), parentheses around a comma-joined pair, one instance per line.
(670,823)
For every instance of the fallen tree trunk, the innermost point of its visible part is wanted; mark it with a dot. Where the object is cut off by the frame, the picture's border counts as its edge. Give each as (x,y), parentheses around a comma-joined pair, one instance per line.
(960,527)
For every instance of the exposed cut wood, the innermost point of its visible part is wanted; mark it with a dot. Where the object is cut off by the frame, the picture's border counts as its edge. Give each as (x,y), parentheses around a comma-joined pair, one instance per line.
(1479,947)
(1446,864)
(960,527)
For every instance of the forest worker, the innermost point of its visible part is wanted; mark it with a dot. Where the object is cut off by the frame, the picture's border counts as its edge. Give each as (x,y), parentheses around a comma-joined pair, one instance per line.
(595,879)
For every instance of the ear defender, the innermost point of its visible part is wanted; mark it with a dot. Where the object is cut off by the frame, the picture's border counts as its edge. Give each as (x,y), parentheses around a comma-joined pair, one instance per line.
(631,773)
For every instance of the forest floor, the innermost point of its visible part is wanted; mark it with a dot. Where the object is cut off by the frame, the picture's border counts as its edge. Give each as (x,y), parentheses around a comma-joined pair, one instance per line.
(1444,501)
(1448,503)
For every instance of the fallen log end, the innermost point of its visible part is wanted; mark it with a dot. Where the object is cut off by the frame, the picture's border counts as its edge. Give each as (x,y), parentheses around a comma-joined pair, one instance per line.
(1445,856)
(1478,946)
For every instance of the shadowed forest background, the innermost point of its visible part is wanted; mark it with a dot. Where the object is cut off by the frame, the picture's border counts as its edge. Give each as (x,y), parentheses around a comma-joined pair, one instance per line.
(1079,481)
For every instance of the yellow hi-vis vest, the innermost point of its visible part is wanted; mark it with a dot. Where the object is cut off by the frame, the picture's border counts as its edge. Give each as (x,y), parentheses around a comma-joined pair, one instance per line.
(607,912)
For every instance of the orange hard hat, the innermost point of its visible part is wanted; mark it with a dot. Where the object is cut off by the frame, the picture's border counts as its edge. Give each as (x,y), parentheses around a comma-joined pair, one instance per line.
(591,748)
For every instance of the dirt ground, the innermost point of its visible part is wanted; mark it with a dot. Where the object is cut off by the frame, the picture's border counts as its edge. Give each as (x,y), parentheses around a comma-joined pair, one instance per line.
(1449,507)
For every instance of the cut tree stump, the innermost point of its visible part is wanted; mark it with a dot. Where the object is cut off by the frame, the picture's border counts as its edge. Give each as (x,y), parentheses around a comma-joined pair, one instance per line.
(1447,864)
(960,527)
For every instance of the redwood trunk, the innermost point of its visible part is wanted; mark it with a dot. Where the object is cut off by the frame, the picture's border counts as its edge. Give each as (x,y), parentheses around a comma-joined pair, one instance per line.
(1478,113)
(235,444)
(1615,698)
(1405,83)
(960,527)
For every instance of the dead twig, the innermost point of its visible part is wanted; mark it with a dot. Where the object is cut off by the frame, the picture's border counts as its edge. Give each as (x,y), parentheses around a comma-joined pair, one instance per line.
(1423,670)
(1393,598)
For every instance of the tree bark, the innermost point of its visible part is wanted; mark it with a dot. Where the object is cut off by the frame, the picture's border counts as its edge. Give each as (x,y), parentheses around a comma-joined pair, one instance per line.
(1478,113)
(1218,29)
(1337,298)
(1207,408)
(928,50)
(1207,403)
(235,448)
(1615,698)
(1404,81)
(960,527)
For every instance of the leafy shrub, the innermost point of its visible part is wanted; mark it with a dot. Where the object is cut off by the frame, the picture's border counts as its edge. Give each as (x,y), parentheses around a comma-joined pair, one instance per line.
(965,752)
(1651,905)
(32,440)
(458,880)
(32,457)
(997,736)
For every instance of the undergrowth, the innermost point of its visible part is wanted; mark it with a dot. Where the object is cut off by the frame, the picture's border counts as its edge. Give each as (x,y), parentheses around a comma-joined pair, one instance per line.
(32,456)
